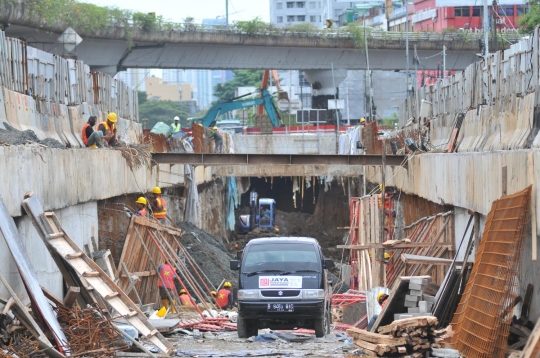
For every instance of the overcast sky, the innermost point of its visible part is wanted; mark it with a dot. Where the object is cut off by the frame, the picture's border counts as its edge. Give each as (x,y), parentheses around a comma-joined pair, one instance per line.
(177,10)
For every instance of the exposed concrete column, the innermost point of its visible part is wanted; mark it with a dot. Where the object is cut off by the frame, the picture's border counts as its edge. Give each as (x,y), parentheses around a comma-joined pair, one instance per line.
(325,86)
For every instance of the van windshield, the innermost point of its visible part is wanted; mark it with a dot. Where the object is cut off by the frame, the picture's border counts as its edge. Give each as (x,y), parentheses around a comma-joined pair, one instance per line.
(282,256)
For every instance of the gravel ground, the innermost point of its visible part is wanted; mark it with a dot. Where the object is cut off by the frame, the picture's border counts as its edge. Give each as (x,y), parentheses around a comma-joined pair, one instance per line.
(227,344)
(13,136)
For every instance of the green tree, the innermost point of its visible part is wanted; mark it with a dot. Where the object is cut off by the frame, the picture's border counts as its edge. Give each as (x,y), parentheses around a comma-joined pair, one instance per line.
(161,111)
(142,97)
(532,18)
(242,78)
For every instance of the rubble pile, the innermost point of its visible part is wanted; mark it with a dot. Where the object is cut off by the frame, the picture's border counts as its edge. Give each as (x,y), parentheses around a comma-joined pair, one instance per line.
(12,136)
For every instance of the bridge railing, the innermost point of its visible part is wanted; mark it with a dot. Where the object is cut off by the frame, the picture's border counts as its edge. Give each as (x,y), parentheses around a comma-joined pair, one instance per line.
(343,32)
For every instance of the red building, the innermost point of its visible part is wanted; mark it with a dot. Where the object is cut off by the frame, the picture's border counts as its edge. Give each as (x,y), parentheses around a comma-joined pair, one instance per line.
(428,17)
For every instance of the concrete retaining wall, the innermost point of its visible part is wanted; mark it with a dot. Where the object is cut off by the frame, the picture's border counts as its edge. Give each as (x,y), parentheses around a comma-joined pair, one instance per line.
(62,178)
(80,222)
(286,144)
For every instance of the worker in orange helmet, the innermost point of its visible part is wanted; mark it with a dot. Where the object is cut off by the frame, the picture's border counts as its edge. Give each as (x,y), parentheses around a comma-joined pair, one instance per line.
(159,206)
(224,298)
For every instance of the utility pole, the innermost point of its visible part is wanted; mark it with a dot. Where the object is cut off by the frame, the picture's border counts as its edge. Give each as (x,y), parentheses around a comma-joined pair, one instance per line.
(443,61)
(494,19)
(227,12)
(368,75)
(405,2)
(416,83)
(485,25)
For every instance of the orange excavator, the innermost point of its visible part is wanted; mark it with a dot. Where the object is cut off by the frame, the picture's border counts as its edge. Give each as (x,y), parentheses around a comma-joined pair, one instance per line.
(264,86)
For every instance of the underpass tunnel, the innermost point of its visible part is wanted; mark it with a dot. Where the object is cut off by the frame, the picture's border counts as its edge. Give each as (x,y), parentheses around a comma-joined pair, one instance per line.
(281,190)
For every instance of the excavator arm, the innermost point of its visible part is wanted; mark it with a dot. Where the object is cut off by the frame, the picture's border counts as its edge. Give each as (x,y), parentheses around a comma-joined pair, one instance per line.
(210,118)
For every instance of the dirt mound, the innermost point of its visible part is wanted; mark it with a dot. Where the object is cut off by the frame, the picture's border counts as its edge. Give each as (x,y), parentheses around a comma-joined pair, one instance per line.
(13,136)
(209,252)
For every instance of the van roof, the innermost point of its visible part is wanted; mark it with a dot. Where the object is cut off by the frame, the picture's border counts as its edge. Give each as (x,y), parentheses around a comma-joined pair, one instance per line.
(284,239)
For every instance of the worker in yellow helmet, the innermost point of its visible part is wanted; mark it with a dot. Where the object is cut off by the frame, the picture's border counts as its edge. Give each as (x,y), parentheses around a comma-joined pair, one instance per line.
(185,299)
(382,299)
(218,139)
(141,207)
(108,128)
(159,206)
(386,257)
(224,298)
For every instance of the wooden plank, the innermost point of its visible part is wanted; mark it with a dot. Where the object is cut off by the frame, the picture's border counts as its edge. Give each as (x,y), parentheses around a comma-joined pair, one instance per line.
(418,259)
(376,338)
(421,321)
(530,167)
(52,297)
(380,349)
(19,310)
(411,245)
(71,296)
(140,274)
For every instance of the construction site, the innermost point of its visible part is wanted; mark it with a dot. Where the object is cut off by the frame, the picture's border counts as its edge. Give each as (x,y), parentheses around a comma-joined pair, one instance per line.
(428,233)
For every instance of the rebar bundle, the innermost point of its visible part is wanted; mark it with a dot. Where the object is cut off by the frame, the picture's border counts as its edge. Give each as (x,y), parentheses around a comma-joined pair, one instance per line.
(22,347)
(90,333)
(483,317)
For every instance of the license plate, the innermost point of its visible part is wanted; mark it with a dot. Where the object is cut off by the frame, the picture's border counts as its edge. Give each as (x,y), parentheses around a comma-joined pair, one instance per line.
(280,307)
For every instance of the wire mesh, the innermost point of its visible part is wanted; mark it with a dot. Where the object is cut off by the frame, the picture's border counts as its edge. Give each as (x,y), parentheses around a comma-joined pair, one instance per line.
(482,319)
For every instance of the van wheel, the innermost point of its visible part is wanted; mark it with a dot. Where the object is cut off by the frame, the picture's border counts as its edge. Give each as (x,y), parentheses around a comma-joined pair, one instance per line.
(242,328)
(253,328)
(246,327)
(321,326)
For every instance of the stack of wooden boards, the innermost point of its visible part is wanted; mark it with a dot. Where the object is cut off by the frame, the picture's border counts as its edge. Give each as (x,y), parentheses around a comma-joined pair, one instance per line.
(410,337)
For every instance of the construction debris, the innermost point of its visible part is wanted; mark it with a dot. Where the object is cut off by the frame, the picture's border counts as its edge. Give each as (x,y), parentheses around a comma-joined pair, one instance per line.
(410,337)
(89,332)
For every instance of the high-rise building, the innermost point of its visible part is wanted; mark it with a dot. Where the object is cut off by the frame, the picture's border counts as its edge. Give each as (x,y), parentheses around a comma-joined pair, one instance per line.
(134,77)
(287,13)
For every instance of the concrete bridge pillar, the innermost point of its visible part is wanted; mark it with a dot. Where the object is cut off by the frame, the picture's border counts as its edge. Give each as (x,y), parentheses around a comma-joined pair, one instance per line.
(325,87)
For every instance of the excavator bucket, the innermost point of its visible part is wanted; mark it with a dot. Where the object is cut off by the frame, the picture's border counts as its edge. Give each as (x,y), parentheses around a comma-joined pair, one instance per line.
(283,95)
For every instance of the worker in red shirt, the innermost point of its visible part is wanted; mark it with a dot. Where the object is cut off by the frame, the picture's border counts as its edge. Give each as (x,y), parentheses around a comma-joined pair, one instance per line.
(166,285)
(185,299)
(141,207)
(224,298)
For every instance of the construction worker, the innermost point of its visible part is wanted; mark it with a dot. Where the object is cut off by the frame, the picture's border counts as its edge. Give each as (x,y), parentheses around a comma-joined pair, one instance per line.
(108,128)
(159,206)
(166,285)
(218,139)
(141,207)
(386,257)
(363,121)
(90,137)
(382,299)
(185,300)
(224,298)
(176,127)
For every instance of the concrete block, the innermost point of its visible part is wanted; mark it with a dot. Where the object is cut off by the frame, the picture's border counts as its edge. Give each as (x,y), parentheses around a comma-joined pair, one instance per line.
(429,298)
(415,286)
(402,316)
(413,310)
(415,293)
(418,281)
(422,305)
(412,298)
(411,304)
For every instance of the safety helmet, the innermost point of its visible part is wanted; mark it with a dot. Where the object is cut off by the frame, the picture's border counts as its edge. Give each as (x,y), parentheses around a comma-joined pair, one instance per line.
(112,117)
(182,291)
(213,293)
(156,190)
(386,255)
(214,128)
(141,200)
(381,297)
(362,120)
(162,311)
(227,284)
(176,118)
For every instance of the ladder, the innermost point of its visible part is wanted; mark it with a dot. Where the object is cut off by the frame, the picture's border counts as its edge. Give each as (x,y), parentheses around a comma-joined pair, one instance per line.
(55,238)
